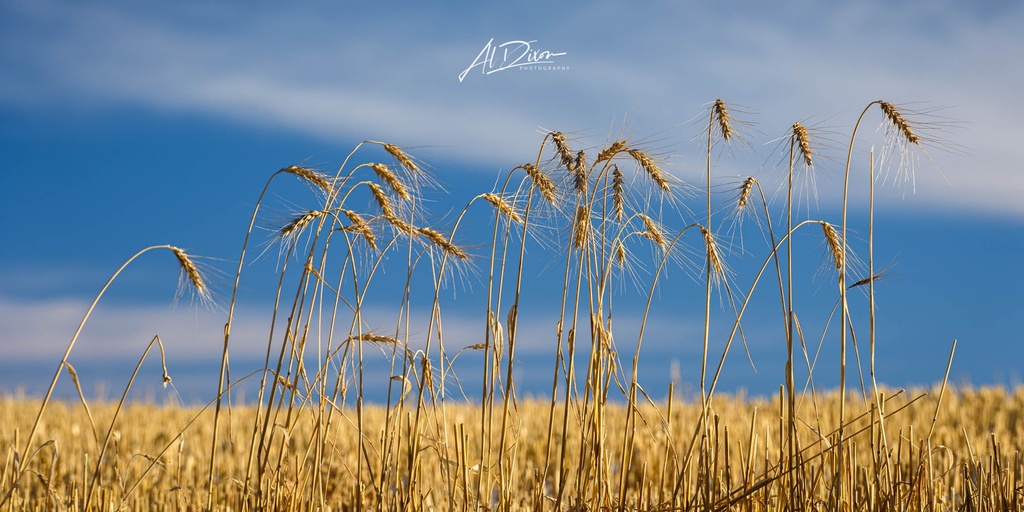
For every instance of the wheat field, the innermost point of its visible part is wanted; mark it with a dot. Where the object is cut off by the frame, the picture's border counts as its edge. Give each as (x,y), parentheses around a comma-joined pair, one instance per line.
(598,440)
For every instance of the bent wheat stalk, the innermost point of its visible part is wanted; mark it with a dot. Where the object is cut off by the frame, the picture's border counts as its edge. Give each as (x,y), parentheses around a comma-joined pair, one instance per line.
(191,275)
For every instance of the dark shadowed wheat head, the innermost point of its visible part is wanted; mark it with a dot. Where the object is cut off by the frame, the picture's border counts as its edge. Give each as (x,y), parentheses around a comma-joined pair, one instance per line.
(900,122)
(618,192)
(296,225)
(835,245)
(579,172)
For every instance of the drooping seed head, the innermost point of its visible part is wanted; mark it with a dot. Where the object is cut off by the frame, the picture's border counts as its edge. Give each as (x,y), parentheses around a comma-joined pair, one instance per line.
(562,148)
(579,172)
(745,191)
(296,225)
(618,193)
(542,181)
(440,241)
(581,227)
(401,225)
(318,179)
(834,243)
(357,224)
(900,122)
(620,252)
(714,258)
(503,206)
(401,157)
(652,169)
(653,232)
(190,275)
(609,152)
(382,200)
(374,338)
(803,143)
(392,180)
(724,119)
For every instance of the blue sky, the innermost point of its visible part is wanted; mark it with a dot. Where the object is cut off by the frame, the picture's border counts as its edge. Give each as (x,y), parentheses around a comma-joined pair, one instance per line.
(124,125)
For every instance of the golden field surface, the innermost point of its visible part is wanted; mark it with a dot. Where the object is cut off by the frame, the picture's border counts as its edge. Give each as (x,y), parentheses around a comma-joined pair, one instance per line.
(962,453)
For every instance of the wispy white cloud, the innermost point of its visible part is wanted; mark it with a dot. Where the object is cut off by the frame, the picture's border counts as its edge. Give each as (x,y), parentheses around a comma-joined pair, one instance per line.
(309,73)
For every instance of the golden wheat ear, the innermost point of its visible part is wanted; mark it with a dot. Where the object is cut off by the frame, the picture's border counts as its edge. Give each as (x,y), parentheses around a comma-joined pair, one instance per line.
(191,278)
(618,193)
(296,225)
(900,122)
(609,152)
(440,241)
(543,182)
(834,243)
(402,157)
(503,206)
(316,178)
(565,156)
(357,224)
(724,119)
(651,168)
(803,144)
(389,177)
